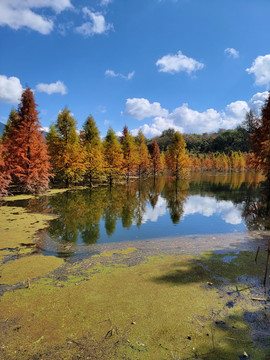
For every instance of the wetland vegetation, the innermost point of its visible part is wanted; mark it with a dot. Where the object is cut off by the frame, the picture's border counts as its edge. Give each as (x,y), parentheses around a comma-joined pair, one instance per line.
(69,291)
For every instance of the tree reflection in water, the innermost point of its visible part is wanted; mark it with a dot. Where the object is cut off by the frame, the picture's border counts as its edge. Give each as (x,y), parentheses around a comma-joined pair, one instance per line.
(84,215)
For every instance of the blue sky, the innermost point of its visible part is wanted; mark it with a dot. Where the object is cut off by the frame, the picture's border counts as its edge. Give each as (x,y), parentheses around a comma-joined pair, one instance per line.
(194,65)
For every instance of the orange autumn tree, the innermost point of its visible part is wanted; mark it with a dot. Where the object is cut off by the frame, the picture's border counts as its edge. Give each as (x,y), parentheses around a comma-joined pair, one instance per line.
(65,149)
(26,154)
(176,158)
(93,150)
(113,156)
(155,158)
(260,141)
(143,154)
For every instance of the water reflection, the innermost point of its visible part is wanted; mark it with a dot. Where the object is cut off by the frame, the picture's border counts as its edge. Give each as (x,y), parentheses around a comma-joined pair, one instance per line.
(205,203)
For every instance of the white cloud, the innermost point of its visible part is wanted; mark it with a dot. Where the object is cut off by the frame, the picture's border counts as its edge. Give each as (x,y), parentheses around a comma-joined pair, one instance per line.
(18,13)
(257,101)
(208,206)
(140,108)
(185,119)
(234,114)
(97,25)
(105,2)
(45,129)
(10,89)
(111,73)
(175,63)
(57,87)
(231,52)
(151,214)
(261,69)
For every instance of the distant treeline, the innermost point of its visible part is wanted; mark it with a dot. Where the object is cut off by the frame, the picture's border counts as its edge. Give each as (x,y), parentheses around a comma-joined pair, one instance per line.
(221,141)
(29,162)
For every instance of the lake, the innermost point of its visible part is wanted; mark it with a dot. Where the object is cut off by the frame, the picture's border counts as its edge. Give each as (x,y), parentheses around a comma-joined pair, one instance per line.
(206,203)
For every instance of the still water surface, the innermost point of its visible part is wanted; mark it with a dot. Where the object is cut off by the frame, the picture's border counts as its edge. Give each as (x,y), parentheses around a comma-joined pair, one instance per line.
(204,204)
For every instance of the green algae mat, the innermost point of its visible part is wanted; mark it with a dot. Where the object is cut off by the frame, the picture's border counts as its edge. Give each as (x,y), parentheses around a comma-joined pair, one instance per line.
(125,304)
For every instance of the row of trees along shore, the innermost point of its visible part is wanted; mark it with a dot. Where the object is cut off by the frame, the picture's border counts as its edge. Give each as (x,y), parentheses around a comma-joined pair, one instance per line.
(29,161)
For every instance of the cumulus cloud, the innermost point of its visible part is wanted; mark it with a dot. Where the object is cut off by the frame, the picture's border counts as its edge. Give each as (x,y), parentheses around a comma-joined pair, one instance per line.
(19,13)
(185,119)
(112,73)
(96,25)
(257,101)
(57,87)
(231,52)
(140,108)
(152,215)
(10,89)
(175,63)
(208,206)
(261,70)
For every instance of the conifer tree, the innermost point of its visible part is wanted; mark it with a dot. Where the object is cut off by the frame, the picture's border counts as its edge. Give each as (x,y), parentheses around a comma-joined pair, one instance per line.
(260,140)
(125,132)
(143,154)
(13,117)
(65,149)
(113,155)
(129,152)
(93,150)
(177,160)
(4,175)
(26,154)
(155,158)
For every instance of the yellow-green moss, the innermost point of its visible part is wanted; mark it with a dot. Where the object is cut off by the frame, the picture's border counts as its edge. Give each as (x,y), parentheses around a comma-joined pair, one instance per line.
(28,267)
(114,252)
(163,308)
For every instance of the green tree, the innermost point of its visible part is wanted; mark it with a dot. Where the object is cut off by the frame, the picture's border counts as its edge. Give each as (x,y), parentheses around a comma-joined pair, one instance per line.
(129,152)
(177,160)
(12,119)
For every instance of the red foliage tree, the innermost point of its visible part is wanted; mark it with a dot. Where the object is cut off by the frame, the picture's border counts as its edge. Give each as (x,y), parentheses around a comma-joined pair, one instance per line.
(26,154)
(260,141)
(4,175)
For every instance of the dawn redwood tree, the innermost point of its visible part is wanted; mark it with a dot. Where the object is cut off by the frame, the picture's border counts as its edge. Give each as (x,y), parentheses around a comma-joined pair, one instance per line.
(129,152)
(4,175)
(67,154)
(260,140)
(125,132)
(143,154)
(113,156)
(93,150)
(26,154)
(177,160)
(155,158)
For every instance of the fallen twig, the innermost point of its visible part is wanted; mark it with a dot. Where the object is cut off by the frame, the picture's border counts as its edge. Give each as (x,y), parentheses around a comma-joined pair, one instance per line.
(257,253)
